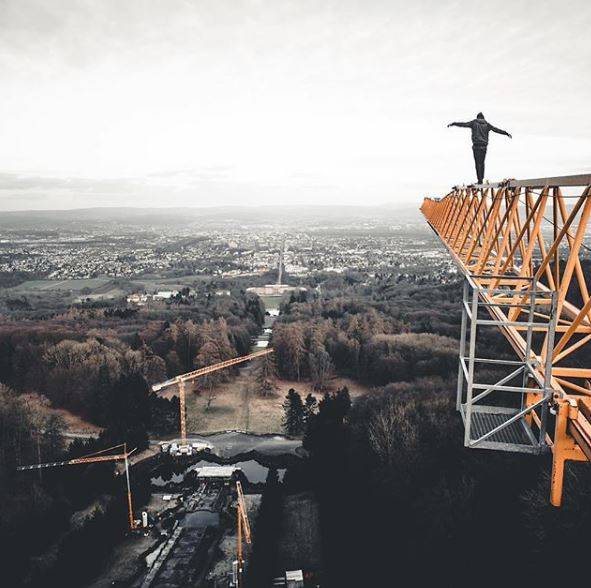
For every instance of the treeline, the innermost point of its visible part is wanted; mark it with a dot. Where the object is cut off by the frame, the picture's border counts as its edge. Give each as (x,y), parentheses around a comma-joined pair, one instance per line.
(375,344)
(12,279)
(79,366)
(376,332)
(401,499)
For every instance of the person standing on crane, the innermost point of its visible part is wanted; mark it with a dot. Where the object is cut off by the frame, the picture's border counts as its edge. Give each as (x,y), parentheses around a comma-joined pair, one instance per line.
(480,129)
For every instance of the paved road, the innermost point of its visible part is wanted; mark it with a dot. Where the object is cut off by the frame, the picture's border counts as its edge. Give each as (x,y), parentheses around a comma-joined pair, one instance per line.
(73,435)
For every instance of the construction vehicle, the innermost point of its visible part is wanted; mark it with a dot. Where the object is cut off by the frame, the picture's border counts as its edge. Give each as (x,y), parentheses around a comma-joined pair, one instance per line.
(242,531)
(98,456)
(181,380)
(188,449)
(519,245)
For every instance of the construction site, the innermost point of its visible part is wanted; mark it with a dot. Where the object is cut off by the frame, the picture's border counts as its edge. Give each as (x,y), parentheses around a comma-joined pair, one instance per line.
(193,528)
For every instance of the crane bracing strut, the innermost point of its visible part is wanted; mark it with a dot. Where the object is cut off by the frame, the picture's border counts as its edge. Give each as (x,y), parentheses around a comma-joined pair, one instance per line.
(99,456)
(182,379)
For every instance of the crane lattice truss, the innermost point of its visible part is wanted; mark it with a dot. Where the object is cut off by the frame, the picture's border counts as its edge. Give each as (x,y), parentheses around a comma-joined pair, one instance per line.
(521,247)
(183,379)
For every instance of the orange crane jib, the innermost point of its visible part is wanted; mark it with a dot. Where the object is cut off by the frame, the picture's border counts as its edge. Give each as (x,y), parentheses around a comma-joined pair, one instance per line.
(78,460)
(519,244)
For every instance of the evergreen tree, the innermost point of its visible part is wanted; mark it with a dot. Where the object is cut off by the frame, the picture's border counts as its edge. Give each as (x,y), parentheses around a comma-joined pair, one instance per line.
(310,405)
(265,375)
(342,402)
(326,430)
(294,418)
(128,418)
(256,309)
(53,437)
(136,341)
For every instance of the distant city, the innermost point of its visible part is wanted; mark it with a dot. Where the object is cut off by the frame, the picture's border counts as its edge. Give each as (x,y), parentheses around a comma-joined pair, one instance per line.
(120,251)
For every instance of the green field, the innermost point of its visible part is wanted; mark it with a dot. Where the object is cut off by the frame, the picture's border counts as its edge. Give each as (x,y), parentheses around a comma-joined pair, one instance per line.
(105,284)
(60,285)
(271,302)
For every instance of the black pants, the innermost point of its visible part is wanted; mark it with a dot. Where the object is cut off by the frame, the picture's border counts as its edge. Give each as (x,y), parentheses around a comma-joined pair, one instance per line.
(479,157)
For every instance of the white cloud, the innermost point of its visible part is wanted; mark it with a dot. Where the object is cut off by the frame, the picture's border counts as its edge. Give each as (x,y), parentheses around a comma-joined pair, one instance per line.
(318,100)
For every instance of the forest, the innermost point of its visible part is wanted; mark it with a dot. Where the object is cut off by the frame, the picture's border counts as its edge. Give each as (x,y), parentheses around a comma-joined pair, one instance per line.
(98,363)
(76,357)
(376,333)
(401,500)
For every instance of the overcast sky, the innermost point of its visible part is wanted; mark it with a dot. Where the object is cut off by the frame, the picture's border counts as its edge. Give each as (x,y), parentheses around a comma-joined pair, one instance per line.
(208,102)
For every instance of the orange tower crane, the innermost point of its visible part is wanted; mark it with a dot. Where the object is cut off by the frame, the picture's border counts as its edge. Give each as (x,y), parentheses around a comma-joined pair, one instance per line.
(520,245)
(183,379)
(98,456)
(243,531)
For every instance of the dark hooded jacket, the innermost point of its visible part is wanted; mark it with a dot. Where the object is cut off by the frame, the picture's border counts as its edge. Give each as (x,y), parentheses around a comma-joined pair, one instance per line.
(480,129)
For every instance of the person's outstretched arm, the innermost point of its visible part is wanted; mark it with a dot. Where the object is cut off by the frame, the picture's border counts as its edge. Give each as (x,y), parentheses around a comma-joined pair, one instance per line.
(500,131)
(460,124)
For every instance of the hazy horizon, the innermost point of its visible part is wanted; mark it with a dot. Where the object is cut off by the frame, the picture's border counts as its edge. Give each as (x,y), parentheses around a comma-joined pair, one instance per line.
(178,103)
(213,206)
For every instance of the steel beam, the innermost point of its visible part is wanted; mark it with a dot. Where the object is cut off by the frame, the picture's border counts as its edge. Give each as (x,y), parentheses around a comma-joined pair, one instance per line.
(505,248)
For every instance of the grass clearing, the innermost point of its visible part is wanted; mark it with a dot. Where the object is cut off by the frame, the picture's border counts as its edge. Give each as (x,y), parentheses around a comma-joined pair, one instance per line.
(60,285)
(299,538)
(236,406)
(73,422)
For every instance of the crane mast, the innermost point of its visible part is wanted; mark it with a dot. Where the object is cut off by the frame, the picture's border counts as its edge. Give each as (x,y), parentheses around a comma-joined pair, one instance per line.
(243,532)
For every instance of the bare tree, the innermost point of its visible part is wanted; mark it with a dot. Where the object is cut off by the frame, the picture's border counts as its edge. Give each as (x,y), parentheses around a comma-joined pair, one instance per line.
(389,427)
(321,367)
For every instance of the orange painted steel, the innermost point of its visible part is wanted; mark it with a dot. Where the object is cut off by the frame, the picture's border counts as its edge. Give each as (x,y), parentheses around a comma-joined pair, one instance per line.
(243,531)
(99,456)
(182,379)
(523,237)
